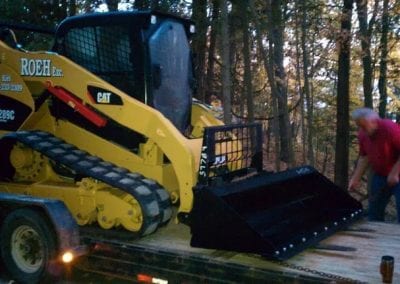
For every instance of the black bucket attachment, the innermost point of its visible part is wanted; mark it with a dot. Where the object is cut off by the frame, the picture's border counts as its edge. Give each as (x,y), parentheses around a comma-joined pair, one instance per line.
(274,215)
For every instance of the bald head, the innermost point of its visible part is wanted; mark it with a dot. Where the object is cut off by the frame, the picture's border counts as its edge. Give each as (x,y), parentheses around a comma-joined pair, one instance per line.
(365,113)
(366,119)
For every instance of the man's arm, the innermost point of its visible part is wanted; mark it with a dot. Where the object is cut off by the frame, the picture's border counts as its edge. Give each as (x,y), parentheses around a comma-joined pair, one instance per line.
(362,165)
(393,177)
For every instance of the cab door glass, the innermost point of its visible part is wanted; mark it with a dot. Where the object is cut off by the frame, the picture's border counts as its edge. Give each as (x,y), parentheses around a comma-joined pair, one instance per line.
(171,70)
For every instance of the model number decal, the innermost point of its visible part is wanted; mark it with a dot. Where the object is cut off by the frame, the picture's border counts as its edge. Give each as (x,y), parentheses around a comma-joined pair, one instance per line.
(7,115)
(40,68)
(203,162)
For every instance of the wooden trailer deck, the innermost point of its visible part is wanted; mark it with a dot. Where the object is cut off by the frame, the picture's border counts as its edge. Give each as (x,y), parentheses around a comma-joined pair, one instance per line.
(374,240)
(367,243)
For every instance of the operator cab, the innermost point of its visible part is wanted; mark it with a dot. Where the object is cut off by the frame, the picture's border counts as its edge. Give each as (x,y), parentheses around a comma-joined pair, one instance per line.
(144,54)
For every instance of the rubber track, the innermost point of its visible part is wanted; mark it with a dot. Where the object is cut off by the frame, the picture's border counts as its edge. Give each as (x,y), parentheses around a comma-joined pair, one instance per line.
(154,200)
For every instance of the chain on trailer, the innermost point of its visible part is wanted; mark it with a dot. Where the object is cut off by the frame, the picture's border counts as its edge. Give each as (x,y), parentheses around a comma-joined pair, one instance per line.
(325,275)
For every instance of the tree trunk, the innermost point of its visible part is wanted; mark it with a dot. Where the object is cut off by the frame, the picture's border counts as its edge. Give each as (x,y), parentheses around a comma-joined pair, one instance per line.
(154,4)
(383,60)
(247,65)
(276,29)
(234,21)
(268,66)
(72,7)
(270,74)
(310,107)
(141,4)
(299,87)
(112,5)
(342,114)
(86,7)
(199,16)
(365,37)
(60,9)
(226,76)
(325,160)
(209,83)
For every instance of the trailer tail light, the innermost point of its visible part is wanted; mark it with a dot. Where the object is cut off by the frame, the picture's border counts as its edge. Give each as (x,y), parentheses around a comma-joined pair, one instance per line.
(144,278)
(71,255)
(67,257)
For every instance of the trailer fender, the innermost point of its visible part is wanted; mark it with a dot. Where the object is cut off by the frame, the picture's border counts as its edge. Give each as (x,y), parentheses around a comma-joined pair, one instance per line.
(61,220)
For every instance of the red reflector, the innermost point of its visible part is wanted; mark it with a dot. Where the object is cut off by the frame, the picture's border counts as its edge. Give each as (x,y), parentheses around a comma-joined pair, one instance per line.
(144,278)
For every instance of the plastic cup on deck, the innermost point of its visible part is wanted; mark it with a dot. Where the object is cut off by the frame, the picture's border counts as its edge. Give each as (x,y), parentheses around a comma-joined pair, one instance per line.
(386,268)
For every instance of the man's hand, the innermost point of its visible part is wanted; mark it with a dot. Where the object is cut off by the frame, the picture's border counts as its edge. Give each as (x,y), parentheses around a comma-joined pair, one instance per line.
(393,178)
(362,165)
(353,184)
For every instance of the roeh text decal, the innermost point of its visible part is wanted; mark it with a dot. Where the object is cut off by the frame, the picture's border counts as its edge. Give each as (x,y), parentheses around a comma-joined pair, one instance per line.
(39,68)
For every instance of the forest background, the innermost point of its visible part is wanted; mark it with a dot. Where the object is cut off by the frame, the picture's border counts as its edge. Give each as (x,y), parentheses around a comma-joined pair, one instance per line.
(298,67)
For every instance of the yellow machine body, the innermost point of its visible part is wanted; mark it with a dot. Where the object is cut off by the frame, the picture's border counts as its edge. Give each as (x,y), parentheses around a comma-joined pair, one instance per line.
(165,156)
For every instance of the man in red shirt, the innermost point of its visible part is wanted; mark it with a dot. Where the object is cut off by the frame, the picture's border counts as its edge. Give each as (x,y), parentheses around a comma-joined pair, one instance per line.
(379,141)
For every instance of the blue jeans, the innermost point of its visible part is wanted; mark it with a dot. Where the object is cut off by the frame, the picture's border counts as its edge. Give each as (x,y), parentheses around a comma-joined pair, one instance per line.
(379,198)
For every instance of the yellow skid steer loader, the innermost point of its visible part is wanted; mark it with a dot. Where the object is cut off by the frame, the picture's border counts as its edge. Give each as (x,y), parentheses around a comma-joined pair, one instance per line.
(105,122)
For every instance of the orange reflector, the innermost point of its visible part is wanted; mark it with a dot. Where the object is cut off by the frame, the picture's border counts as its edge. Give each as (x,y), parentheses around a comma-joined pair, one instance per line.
(144,278)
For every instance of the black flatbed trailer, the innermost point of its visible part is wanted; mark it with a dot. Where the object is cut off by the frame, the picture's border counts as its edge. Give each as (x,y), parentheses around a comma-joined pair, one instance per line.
(350,256)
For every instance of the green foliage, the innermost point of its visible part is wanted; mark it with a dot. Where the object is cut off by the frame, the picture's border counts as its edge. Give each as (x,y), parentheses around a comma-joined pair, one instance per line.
(41,12)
